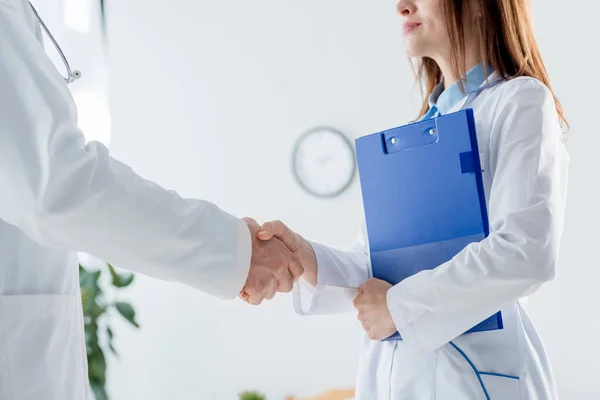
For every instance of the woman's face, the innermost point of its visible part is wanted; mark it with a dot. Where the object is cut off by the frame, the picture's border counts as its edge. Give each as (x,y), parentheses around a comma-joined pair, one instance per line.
(424,27)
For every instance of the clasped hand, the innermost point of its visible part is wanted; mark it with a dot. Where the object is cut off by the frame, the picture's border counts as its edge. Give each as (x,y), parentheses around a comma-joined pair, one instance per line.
(274,266)
(281,256)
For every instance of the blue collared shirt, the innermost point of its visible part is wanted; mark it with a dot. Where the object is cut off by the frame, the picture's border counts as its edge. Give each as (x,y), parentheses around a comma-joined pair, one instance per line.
(441,101)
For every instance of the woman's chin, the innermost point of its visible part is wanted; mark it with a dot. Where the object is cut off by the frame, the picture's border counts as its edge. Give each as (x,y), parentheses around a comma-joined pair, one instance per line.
(413,49)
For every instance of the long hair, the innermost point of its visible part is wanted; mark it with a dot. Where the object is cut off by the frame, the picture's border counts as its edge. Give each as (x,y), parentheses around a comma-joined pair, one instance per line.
(507,44)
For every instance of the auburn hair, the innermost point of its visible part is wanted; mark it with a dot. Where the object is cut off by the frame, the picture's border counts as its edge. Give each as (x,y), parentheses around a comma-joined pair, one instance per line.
(507,44)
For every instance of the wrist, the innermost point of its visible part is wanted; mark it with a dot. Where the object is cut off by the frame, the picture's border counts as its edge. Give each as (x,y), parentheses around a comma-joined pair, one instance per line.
(309,262)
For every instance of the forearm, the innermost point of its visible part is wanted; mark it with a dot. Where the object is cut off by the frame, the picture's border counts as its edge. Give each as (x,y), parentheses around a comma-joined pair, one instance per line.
(338,268)
(66,194)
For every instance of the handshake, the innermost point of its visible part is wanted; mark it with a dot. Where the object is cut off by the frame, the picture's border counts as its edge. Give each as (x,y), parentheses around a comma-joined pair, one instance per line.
(280,257)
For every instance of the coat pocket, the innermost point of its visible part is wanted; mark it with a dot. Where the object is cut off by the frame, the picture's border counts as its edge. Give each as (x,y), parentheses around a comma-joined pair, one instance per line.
(42,348)
(456,379)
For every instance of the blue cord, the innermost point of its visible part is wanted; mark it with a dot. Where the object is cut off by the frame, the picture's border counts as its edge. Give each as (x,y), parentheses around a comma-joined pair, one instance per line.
(478,374)
(500,375)
(462,353)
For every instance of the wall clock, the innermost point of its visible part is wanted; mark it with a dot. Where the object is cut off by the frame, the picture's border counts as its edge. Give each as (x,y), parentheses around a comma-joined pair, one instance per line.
(324,162)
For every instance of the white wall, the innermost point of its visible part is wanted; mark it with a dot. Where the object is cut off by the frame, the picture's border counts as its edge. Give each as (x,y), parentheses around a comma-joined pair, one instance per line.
(208,97)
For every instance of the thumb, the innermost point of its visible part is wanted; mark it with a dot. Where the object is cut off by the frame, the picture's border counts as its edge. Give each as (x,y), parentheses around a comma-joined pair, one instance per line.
(265,232)
(252,224)
(282,232)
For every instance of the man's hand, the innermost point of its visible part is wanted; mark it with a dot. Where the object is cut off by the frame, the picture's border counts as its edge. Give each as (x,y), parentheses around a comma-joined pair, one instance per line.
(273,268)
(373,312)
(297,245)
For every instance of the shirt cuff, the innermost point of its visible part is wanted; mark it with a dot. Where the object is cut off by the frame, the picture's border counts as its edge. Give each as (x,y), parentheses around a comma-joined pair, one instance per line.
(241,268)
(403,326)
(328,297)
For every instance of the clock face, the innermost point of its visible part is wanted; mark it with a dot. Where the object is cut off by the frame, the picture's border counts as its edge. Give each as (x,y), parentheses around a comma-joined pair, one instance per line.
(323,162)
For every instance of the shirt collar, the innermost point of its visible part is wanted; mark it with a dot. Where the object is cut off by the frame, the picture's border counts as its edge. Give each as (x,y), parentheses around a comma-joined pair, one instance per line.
(445,100)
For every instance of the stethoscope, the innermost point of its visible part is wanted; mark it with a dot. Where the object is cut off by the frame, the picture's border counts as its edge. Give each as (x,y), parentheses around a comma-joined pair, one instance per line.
(72,76)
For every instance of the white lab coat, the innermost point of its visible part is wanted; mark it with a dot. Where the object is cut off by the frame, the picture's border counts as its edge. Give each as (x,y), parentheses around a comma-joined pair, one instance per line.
(525,176)
(59,196)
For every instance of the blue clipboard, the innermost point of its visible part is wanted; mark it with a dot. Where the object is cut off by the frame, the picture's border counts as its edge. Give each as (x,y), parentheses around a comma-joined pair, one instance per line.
(423,197)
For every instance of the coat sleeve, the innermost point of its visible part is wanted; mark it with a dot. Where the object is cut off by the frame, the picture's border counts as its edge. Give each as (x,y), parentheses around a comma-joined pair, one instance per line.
(526,206)
(68,194)
(339,274)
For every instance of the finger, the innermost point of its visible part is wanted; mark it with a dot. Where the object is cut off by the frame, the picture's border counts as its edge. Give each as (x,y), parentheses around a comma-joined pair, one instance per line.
(270,295)
(256,299)
(270,289)
(265,233)
(358,302)
(285,282)
(255,289)
(279,229)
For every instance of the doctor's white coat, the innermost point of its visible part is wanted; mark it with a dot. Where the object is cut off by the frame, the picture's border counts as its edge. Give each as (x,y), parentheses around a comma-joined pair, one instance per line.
(59,196)
(525,166)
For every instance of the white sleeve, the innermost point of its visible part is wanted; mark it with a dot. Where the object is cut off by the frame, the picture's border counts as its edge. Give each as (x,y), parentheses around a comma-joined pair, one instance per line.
(339,274)
(66,194)
(529,167)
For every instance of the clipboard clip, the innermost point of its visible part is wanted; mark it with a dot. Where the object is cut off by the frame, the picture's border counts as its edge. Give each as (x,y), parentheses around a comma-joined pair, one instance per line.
(410,136)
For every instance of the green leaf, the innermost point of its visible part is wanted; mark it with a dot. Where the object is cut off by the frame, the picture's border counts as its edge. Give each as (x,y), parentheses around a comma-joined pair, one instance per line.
(99,391)
(124,281)
(252,396)
(111,335)
(127,311)
(82,274)
(111,347)
(88,278)
(96,311)
(97,366)
(91,336)
(90,291)
(119,280)
(88,298)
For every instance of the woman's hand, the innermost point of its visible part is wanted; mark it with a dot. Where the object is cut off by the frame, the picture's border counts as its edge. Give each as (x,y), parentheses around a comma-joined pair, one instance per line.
(373,312)
(296,244)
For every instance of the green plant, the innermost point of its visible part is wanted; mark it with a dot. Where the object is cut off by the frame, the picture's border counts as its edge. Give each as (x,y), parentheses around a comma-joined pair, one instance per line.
(96,311)
(252,396)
